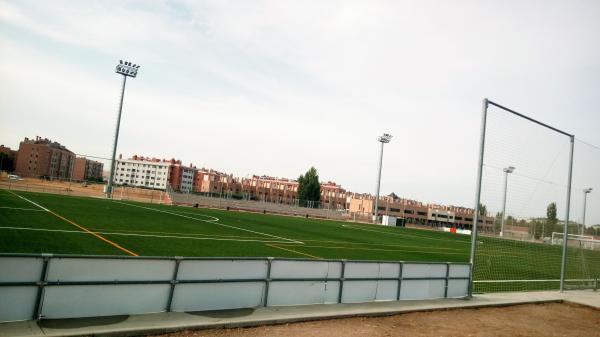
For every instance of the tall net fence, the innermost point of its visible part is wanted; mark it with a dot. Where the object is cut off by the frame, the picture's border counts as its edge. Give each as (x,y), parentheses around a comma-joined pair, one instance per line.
(523,201)
(583,239)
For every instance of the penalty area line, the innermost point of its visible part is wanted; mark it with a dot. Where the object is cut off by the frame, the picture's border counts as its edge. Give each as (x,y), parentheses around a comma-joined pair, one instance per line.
(78,226)
(22,209)
(212,222)
(294,251)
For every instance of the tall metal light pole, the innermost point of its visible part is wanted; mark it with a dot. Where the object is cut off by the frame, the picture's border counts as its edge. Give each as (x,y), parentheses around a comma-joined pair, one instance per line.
(385,138)
(127,69)
(585,193)
(506,170)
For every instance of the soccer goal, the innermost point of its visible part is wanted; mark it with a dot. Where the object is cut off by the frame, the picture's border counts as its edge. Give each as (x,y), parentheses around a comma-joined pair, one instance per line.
(576,240)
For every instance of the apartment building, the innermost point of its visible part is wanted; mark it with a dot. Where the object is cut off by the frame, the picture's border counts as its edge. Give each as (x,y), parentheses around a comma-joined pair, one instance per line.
(270,189)
(416,212)
(86,169)
(333,195)
(211,181)
(43,158)
(142,171)
(181,178)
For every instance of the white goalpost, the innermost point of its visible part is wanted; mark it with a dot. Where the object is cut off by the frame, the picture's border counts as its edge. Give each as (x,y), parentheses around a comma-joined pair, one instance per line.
(581,241)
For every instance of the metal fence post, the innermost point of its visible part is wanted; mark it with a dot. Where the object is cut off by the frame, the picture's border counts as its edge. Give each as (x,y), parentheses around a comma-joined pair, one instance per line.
(477,196)
(173,283)
(341,290)
(267,281)
(401,268)
(563,266)
(446,280)
(37,315)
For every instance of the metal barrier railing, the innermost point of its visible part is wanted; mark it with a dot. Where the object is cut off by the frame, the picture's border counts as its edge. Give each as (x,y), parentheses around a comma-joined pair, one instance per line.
(342,277)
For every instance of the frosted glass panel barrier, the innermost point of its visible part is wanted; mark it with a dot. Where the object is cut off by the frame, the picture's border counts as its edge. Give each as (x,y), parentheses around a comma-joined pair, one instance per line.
(20,269)
(17,303)
(217,296)
(82,269)
(305,269)
(222,269)
(303,292)
(64,286)
(103,300)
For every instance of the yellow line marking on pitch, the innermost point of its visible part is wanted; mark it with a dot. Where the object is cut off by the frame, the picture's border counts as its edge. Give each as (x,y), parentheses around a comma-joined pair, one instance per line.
(79,226)
(294,251)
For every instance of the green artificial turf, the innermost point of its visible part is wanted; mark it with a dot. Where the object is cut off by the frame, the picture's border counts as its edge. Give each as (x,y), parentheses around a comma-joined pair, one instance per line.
(162,230)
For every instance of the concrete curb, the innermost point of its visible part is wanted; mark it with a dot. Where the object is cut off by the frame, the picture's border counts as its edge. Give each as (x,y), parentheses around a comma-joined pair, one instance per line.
(161,323)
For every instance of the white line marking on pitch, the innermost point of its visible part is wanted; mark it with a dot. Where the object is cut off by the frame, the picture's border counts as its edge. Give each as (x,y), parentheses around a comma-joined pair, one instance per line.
(191,213)
(193,234)
(211,222)
(401,234)
(23,209)
(144,235)
(36,204)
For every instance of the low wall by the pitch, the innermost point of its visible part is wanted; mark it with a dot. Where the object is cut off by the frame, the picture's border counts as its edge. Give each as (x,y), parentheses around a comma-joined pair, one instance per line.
(67,286)
(255,206)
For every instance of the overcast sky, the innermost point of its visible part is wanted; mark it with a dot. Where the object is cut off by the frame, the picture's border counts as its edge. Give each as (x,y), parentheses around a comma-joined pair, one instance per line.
(274,87)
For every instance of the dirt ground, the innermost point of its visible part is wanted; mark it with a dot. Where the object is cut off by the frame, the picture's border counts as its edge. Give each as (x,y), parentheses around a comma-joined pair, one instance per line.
(551,319)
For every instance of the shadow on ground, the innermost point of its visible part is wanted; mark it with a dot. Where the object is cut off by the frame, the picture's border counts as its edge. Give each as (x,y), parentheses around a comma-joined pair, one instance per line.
(224,313)
(75,323)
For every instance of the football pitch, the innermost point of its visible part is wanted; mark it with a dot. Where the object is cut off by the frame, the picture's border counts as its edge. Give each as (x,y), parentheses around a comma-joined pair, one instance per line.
(48,223)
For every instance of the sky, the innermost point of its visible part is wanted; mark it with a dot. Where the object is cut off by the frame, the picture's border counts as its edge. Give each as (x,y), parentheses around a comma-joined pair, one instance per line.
(274,87)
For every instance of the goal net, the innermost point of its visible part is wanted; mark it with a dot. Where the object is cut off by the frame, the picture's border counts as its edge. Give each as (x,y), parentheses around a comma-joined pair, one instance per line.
(576,240)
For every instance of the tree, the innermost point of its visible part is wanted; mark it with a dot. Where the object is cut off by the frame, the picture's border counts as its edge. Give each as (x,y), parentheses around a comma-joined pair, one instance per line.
(551,220)
(6,162)
(535,228)
(309,188)
(497,222)
(482,210)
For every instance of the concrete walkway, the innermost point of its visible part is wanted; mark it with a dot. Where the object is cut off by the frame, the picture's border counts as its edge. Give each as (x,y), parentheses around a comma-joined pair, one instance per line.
(174,321)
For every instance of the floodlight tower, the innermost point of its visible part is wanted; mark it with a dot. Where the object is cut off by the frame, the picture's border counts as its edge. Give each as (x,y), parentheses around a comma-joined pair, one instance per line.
(127,69)
(585,193)
(506,170)
(383,139)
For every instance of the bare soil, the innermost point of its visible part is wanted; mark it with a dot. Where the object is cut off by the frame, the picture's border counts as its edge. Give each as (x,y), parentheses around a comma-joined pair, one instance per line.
(551,319)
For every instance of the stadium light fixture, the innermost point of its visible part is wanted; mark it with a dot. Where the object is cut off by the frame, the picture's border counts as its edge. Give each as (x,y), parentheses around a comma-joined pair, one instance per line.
(585,193)
(127,69)
(506,170)
(383,139)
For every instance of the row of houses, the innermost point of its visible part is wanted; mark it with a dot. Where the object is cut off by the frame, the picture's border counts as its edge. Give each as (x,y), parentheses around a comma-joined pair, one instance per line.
(140,171)
(156,173)
(415,212)
(41,157)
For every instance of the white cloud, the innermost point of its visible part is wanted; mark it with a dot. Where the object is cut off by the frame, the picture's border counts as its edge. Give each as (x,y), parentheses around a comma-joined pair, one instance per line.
(299,83)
